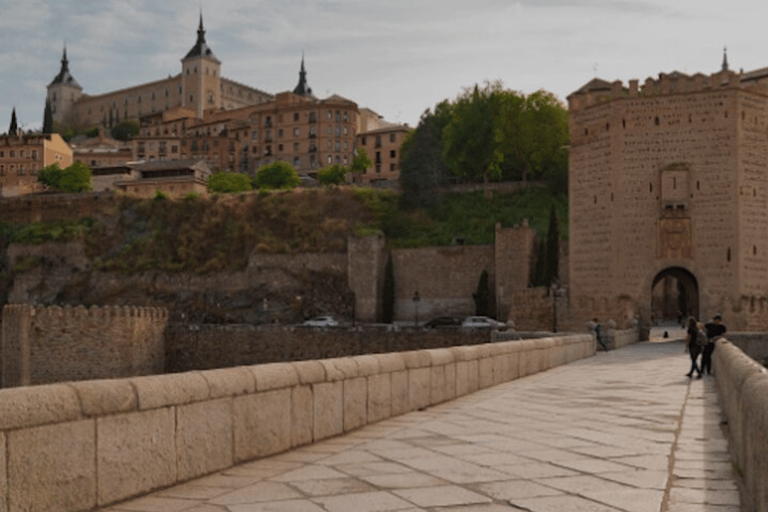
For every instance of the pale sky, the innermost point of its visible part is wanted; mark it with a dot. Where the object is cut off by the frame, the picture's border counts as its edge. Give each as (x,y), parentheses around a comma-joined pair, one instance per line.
(397,57)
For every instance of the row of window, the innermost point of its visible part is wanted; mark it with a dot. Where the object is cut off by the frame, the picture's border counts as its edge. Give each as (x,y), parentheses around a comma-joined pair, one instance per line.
(21,170)
(392,138)
(22,154)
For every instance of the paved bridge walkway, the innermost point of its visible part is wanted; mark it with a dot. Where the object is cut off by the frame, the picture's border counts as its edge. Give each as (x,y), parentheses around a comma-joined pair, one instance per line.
(622,431)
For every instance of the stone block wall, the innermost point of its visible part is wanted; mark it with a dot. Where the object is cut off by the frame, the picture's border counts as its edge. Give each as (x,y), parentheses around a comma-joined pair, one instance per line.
(445,277)
(45,345)
(128,437)
(742,390)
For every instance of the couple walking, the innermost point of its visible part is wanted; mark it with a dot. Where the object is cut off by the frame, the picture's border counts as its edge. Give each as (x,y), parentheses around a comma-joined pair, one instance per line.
(700,339)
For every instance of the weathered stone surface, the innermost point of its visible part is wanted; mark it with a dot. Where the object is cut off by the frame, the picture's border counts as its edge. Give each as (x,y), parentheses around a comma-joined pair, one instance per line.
(3,474)
(101,397)
(485,372)
(340,368)
(462,378)
(417,358)
(355,403)
(379,397)
(328,409)
(274,376)
(366,365)
(440,356)
(473,383)
(173,389)
(52,467)
(302,415)
(419,383)
(136,453)
(229,382)
(390,362)
(309,372)
(437,384)
(399,387)
(204,437)
(262,424)
(37,405)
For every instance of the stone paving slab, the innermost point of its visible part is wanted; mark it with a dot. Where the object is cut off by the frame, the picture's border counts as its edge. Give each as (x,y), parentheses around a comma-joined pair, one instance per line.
(622,431)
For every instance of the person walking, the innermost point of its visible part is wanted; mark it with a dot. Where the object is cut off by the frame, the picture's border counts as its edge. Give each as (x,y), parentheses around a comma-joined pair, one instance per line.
(692,346)
(715,330)
(597,330)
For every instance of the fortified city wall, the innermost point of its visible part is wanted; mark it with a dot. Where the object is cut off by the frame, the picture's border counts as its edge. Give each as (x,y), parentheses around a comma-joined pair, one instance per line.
(47,345)
(669,174)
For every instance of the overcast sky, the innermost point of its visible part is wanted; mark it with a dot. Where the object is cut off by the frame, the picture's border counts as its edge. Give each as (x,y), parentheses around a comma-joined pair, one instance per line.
(397,57)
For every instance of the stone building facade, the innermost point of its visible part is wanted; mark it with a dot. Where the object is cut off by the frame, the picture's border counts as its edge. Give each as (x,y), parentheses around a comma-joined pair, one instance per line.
(21,156)
(668,182)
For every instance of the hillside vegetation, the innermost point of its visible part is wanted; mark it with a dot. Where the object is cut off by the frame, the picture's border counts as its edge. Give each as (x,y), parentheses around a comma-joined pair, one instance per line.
(218,233)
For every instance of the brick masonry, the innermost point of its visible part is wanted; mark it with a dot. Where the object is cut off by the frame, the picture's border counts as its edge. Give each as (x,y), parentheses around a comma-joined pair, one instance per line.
(670,175)
(46,345)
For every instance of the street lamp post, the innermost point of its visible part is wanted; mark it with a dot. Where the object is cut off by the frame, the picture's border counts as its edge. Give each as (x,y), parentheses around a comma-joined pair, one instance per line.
(416,299)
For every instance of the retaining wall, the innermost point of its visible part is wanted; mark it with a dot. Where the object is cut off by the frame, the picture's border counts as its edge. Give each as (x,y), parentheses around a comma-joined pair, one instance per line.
(743,393)
(127,437)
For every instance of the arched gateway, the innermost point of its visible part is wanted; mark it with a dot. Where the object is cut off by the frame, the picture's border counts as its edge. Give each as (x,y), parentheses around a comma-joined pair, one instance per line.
(674,291)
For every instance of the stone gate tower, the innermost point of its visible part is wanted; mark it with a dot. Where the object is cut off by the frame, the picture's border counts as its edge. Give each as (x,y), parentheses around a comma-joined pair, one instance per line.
(63,94)
(669,181)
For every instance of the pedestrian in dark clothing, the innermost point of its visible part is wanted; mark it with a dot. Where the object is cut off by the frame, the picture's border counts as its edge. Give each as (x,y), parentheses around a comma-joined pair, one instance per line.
(597,329)
(715,330)
(692,346)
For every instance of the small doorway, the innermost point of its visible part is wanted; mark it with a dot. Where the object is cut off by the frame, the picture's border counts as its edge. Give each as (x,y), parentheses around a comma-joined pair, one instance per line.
(674,296)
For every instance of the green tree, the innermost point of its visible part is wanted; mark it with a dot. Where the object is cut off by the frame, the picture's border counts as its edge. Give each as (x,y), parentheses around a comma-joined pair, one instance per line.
(124,130)
(14,124)
(534,133)
(482,304)
(361,161)
(276,175)
(388,293)
(333,174)
(47,117)
(75,178)
(226,182)
(552,272)
(473,139)
(422,163)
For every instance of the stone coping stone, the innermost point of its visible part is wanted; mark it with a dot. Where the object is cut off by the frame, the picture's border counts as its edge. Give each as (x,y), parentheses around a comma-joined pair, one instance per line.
(227,382)
(103,397)
(417,359)
(309,372)
(157,391)
(274,376)
(38,405)
(367,365)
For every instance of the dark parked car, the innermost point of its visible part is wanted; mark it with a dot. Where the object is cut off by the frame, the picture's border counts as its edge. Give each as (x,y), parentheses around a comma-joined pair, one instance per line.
(442,321)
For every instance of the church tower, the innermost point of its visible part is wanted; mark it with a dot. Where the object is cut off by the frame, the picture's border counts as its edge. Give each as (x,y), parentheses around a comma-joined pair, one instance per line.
(302,89)
(201,76)
(63,93)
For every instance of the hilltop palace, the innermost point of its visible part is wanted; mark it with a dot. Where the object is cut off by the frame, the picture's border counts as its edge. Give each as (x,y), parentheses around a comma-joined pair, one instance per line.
(200,114)
(668,198)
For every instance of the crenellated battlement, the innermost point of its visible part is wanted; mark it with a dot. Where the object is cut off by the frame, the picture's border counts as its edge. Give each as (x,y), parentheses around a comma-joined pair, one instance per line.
(42,345)
(599,91)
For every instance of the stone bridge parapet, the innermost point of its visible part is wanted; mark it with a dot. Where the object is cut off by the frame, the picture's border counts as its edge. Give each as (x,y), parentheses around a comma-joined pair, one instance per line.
(81,445)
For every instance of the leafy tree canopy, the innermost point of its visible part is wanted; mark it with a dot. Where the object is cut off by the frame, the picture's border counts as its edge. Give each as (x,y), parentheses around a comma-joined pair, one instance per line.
(361,161)
(226,182)
(334,174)
(75,178)
(124,130)
(488,133)
(276,175)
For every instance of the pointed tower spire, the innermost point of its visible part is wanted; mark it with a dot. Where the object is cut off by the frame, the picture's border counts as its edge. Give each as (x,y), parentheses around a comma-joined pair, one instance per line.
(64,76)
(302,89)
(725,59)
(14,126)
(201,48)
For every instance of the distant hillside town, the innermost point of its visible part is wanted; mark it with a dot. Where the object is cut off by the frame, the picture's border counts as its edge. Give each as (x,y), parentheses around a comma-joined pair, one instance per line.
(200,116)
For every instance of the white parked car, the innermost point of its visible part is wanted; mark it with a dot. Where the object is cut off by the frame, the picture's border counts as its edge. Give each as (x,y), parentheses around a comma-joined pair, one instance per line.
(479,322)
(322,321)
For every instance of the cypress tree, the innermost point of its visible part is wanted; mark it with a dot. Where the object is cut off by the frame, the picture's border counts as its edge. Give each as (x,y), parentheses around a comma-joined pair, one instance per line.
(553,249)
(539,276)
(48,118)
(388,293)
(481,295)
(14,126)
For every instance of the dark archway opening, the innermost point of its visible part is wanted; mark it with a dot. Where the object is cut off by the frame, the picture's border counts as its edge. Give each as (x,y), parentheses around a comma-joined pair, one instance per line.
(674,295)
